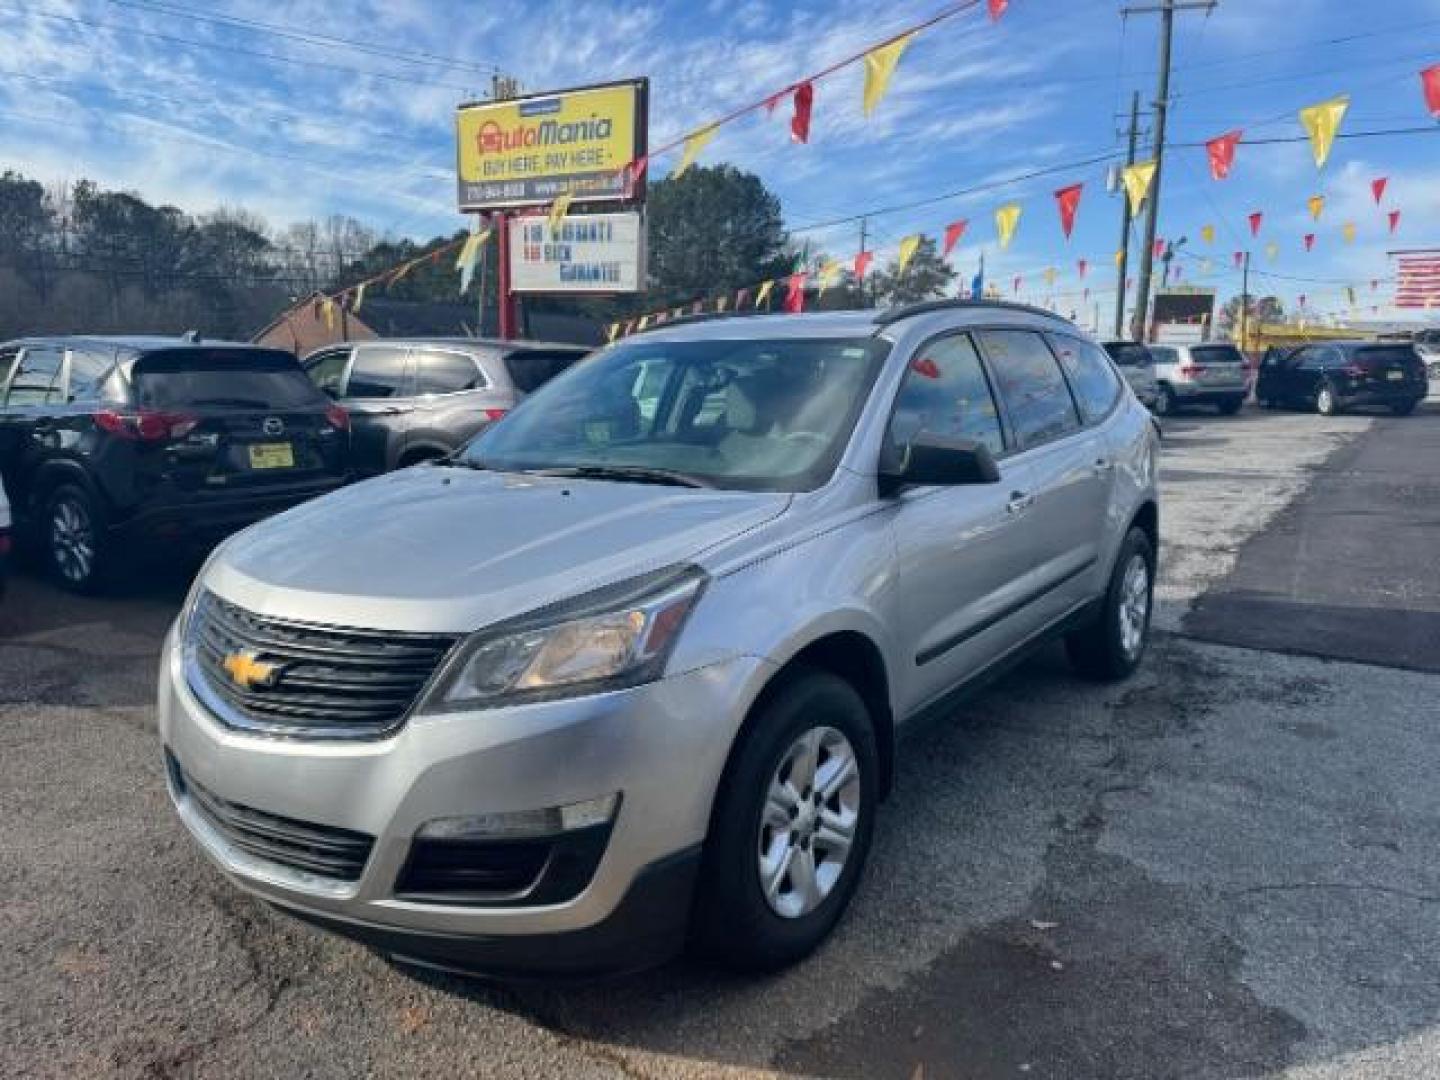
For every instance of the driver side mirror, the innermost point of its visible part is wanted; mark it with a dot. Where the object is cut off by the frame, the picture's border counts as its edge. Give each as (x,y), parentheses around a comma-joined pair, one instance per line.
(931,460)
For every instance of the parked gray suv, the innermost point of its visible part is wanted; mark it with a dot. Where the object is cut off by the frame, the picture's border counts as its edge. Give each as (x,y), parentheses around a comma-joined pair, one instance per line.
(627,672)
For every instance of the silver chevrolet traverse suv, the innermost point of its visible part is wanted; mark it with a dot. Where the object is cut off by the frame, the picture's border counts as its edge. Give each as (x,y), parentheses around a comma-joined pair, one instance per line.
(627,671)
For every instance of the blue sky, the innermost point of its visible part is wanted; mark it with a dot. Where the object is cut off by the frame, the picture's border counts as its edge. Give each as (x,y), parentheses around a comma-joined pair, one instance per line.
(308,130)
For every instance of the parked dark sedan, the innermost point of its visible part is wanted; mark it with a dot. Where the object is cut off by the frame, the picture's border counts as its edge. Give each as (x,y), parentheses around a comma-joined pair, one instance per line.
(110,443)
(1339,375)
(417,400)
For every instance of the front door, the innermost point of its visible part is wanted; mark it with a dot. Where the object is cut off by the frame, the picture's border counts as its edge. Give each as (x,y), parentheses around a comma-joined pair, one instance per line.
(379,394)
(960,550)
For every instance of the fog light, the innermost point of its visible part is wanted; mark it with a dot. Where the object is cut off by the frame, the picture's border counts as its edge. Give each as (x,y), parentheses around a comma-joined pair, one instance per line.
(551,821)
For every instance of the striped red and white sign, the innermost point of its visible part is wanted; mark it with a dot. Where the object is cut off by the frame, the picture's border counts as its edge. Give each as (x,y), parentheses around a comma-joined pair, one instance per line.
(1417,282)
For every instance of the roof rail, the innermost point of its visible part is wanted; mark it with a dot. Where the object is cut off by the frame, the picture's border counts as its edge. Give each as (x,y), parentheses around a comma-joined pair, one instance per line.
(895,314)
(693,317)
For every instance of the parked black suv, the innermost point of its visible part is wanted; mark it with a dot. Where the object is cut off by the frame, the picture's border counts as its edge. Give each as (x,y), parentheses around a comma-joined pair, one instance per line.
(419,399)
(1340,375)
(107,443)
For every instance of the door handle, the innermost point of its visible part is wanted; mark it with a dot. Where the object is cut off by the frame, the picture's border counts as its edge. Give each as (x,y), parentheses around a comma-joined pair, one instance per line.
(1020,501)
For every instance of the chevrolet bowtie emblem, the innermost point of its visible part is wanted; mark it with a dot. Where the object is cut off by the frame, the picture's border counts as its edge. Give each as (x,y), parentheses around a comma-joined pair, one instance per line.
(248,671)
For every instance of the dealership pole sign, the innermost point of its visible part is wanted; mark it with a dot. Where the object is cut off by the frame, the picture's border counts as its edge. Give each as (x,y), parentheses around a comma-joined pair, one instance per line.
(529,151)
(584,253)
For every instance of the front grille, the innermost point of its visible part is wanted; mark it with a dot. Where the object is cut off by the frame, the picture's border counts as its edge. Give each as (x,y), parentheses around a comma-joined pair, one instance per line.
(320,682)
(315,849)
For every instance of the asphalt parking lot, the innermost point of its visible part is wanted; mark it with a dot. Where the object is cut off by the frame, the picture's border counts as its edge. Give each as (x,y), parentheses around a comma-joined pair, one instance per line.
(1226,867)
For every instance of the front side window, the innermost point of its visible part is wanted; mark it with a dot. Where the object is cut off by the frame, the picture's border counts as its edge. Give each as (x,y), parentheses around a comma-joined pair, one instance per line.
(382,372)
(36,378)
(759,415)
(1091,376)
(1030,382)
(946,393)
(438,372)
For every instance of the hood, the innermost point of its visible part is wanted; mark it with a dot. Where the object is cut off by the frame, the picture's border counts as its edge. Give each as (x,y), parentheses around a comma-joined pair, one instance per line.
(452,549)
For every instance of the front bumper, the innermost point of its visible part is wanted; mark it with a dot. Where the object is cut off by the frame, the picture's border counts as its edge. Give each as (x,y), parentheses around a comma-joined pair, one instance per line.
(661,747)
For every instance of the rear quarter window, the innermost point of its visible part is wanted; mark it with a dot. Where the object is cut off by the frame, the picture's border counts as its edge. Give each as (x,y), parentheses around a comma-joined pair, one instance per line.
(533,368)
(222,378)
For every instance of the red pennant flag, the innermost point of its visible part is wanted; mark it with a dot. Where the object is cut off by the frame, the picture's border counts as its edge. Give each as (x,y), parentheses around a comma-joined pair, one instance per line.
(634,173)
(1082,266)
(862,263)
(1430,80)
(1377,188)
(1255,220)
(953,232)
(1159,248)
(795,298)
(997,8)
(772,101)
(1068,200)
(1309,240)
(800,122)
(1239,259)
(924,366)
(1222,153)
(740,298)
(1394,216)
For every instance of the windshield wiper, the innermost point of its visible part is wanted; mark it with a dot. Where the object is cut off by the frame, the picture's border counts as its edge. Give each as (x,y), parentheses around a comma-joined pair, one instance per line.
(638,474)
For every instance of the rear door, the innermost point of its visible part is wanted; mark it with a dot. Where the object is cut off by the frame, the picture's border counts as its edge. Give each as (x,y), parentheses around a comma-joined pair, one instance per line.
(453,401)
(379,395)
(1071,467)
(229,419)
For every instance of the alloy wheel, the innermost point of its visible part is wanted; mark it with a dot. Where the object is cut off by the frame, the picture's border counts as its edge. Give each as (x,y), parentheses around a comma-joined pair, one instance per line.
(1134,608)
(1325,401)
(72,540)
(807,829)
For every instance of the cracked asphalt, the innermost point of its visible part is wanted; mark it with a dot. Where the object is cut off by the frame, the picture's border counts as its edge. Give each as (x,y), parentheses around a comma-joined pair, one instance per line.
(1225,867)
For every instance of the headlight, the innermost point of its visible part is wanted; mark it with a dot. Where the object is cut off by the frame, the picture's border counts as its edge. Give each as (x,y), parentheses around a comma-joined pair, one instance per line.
(615,637)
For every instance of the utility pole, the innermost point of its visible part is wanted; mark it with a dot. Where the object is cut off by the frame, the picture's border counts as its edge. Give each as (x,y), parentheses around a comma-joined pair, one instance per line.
(860,285)
(1123,266)
(1166,10)
(1245,302)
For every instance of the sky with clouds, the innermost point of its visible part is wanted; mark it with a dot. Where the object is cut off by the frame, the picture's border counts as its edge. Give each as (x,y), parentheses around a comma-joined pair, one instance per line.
(192,103)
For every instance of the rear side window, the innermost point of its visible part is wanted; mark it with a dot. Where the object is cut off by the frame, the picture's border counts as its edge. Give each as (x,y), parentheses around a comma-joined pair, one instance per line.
(36,379)
(222,379)
(1034,390)
(532,369)
(946,393)
(439,372)
(1216,354)
(327,370)
(379,373)
(1164,354)
(87,373)
(1091,376)
(1129,354)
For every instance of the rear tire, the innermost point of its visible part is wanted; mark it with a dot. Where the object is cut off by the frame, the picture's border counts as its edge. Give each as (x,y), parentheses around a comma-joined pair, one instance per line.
(1405,408)
(1165,404)
(1110,646)
(771,826)
(1326,403)
(1231,406)
(75,544)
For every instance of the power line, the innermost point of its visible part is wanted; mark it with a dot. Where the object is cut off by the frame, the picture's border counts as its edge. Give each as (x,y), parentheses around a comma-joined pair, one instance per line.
(309,37)
(210,46)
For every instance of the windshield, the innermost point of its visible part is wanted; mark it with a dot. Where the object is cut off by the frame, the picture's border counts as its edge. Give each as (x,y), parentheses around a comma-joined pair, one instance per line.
(752,415)
(1216,354)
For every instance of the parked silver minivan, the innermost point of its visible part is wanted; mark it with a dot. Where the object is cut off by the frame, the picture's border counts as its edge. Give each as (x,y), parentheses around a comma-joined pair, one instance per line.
(627,671)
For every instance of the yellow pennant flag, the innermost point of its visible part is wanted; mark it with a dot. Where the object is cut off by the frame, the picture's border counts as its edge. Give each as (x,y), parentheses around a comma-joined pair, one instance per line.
(763,293)
(1348,231)
(644,322)
(1271,250)
(1006,218)
(721,302)
(1207,233)
(1049,275)
(1137,179)
(328,310)
(1316,203)
(907,250)
(359,297)
(829,273)
(558,209)
(469,256)
(612,332)
(694,143)
(1322,124)
(1119,256)
(879,66)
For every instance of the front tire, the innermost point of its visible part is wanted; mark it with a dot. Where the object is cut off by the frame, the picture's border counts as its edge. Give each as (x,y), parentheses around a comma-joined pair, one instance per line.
(1165,404)
(792,826)
(1405,408)
(1230,406)
(1326,403)
(1110,646)
(75,545)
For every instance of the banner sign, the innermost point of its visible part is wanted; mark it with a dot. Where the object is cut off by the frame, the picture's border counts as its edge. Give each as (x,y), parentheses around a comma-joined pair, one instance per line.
(584,253)
(529,151)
